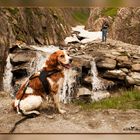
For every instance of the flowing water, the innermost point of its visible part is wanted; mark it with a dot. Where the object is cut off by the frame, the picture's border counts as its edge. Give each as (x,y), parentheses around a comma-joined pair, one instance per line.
(68,85)
(37,62)
(8,76)
(42,54)
(98,87)
(97,83)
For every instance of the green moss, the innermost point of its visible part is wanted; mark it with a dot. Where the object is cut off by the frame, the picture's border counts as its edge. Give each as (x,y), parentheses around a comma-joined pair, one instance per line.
(20,37)
(127,100)
(125,53)
(13,11)
(109,12)
(80,16)
(28,11)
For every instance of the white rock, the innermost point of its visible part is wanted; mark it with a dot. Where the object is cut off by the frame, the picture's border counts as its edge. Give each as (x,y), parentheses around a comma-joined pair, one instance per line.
(83,91)
(98,95)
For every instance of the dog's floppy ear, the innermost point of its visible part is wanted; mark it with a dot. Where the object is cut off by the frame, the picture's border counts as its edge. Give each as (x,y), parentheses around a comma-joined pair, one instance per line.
(53,59)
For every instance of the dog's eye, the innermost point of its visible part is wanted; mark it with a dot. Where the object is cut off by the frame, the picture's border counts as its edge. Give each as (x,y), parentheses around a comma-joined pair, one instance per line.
(62,56)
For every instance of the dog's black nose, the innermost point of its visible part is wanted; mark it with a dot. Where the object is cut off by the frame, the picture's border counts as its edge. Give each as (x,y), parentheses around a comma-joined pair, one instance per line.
(70,60)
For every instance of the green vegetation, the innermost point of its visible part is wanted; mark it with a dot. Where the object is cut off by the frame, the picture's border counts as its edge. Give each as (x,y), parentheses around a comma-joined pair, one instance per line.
(20,37)
(126,100)
(125,53)
(28,11)
(109,12)
(13,11)
(29,14)
(80,16)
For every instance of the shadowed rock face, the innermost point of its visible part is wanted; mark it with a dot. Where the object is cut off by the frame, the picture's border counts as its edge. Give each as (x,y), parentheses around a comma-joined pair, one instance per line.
(124,23)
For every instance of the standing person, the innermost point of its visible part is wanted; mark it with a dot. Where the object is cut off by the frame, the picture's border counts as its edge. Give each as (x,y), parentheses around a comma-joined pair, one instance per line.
(104,30)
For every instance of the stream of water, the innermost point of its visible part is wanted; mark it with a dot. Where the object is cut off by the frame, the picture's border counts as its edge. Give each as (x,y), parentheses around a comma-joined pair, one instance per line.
(98,87)
(8,76)
(68,85)
(97,83)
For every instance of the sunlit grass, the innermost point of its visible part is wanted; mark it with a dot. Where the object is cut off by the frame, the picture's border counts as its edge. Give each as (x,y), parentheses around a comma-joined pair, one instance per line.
(126,100)
(109,12)
(80,17)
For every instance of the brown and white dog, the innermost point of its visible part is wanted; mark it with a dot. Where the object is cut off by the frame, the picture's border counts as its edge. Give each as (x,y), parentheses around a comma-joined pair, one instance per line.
(30,95)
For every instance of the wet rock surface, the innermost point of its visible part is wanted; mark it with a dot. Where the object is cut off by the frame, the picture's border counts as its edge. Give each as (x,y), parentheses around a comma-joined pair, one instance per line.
(116,74)
(133,78)
(136,67)
(106,63)
(21,57)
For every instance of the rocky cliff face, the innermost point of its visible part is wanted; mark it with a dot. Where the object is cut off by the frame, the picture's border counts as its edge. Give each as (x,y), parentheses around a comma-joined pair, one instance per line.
(33,25)
(124,23)
(126,26)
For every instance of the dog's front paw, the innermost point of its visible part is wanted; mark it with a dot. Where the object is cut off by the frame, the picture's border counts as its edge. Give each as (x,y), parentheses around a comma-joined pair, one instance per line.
(62,111)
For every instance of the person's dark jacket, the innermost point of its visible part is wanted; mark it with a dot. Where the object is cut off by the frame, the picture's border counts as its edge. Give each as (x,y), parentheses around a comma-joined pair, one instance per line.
(105,25)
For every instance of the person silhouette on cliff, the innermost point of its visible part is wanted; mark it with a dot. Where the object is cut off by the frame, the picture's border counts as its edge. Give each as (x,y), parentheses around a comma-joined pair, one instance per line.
(104,30)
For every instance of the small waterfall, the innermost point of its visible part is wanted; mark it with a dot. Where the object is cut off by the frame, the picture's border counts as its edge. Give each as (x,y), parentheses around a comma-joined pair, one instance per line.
(40,60)
(37,63)
(98,87)
(68,85)
(96,83)
(42,53)
(7,79)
